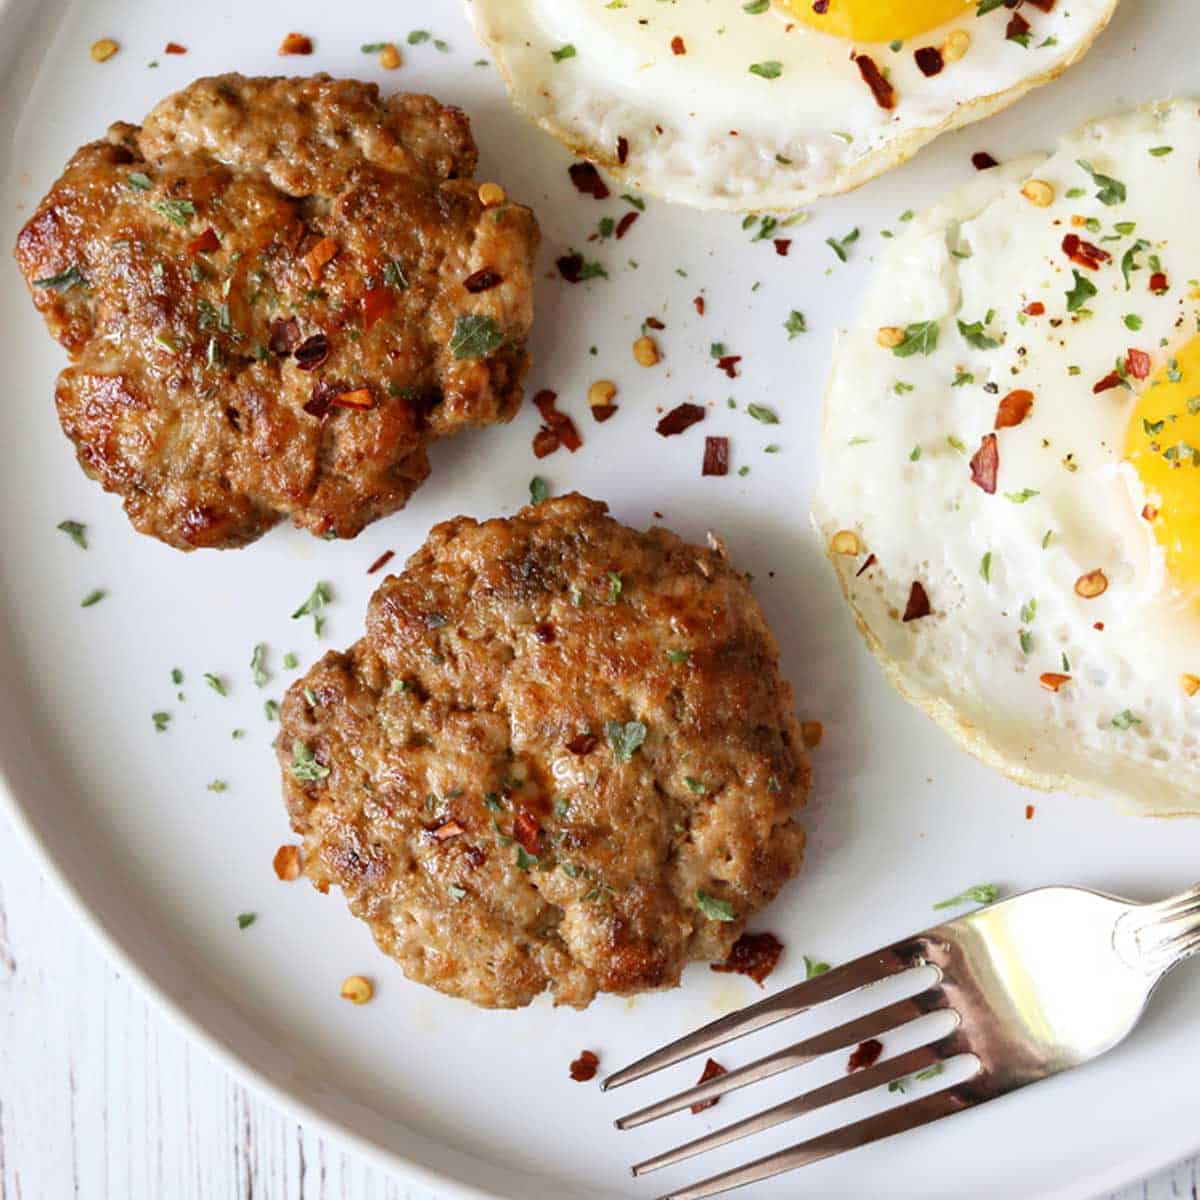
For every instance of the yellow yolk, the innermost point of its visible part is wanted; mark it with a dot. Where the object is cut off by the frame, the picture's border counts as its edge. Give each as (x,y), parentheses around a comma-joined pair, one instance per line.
(878,20)
(1163,433)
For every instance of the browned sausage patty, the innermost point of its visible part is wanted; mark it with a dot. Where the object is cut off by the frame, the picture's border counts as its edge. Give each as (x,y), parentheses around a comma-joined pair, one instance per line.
(561,758)
(275,294)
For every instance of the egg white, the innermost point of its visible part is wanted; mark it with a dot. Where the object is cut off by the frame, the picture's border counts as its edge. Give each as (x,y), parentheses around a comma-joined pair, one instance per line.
(701,129)
(899,434)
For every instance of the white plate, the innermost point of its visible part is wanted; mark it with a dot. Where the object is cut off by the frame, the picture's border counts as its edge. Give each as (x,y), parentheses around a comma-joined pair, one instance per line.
(478,1103)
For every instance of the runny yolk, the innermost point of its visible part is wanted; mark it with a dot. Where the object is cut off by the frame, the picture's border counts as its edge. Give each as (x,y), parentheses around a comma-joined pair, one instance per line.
(1163,444)
(877,20)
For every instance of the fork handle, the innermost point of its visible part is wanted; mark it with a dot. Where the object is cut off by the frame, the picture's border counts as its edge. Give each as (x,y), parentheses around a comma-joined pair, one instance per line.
(1160,936)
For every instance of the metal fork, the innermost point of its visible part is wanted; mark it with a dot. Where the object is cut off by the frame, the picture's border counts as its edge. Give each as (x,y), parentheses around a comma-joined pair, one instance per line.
(1041,982)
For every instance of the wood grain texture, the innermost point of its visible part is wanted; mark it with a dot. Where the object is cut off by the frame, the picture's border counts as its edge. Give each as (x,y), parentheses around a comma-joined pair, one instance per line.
(102,1098)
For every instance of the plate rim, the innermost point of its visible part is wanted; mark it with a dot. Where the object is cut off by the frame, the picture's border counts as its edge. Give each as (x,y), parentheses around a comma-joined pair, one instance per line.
(16,16)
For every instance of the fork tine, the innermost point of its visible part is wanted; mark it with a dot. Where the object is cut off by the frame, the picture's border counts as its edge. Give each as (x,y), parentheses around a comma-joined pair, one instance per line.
(843,1037)
(849,1137)
(892,1069)
(840,981)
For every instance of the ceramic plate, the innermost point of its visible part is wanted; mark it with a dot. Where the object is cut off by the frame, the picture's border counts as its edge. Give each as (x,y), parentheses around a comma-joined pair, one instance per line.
(474,1103)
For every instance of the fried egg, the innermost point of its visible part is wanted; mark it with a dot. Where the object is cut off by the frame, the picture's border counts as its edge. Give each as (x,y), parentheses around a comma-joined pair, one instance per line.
(767,104)
(1010,483)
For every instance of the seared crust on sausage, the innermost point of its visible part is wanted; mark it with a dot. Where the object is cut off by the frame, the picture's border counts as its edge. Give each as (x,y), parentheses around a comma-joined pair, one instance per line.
(560,756)
(259,289)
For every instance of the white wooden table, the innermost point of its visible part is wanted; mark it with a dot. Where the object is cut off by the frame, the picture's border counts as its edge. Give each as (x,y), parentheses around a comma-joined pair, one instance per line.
(101,1097)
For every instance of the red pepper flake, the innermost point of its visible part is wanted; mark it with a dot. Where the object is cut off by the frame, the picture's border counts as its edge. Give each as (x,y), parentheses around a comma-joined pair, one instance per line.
(1110,381)
(1029,812)
(526,831)
(296,43)
(865,1054)
(583,744)
(174,48)
(359,398)
(284,336)
(1149,512)
(753,954)
(622,150)
(1158,283)
(312,352)
(602,412)
(884,93)
(451,829)
(584,1067)
(1084,253)
(1017,28)
(728,363)
(918,602)
(482,280)
(986,464)
(712,1070)
(782,246)
(570,267)
(1137,364)
(677,46)
(544,633)
(1044,5)
(698,302)
(871,561)
(1036,309)
(716,456)
(1052,681)
(623,225)
(820,7)
(981,160)
(587,180)
(653,323)
(206,243)
(1013,409)
(681,417)
(381,562)
(930,61)
(377,304)
(558,430)
(322,396)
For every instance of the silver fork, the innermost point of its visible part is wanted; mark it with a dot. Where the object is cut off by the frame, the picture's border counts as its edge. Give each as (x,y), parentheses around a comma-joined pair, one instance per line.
(1041,982)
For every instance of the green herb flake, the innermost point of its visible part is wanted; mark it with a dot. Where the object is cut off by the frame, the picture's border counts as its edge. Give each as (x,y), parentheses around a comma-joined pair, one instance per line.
(563,52)
(771,69)
(625,739)
(712,908)
(1125,720)
(981,893)
(1112,191)
(290,661)
(795,324)
(1021,497)
(64,281)
(93,597)
(258,665)
(985,567)
(694,785)
(304,764)
(919,338)
(218,785)
(313,606)
(216,683)
(75,531)
(161,721)
(178,211)
(813,967)
(139,181)
(1081,293)
(678,656)
(538,490)
(245,920)
(271,710)
(457,892)
(974,335)
(762,414)
(839,246)
(475,336)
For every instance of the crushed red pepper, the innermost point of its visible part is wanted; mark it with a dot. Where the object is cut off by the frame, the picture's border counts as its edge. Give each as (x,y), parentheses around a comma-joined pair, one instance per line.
(622,149)
(312,352)
(698,302)
(602,412)
(482,280)
(570,266)
(624,224)
(1110,381)
(681,417)
(716,456)
(865,1054)
(587,180)
(985,464)
(728,363)
(1035,309)
(1084,253)
(206,243)
(918,600)
(981,160)
(584,1067)
(1014,408)
(677,46)
(1017,28)
(871,561)
(296,43)
(782,246)
(930,61)
(712,1070)
(1137,364)
(174,48)
(873,77)
(1158,283)
(377,304)
(753,954)
(381,562)
(653,323)
(558,430)
(526,831)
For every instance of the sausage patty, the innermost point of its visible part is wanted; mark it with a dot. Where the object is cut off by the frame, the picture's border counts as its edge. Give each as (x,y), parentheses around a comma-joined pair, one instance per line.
(561,758)
(275,294)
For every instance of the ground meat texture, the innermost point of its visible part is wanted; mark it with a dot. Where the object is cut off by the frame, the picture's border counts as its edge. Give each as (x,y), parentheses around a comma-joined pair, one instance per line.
(481,696)
(256,250)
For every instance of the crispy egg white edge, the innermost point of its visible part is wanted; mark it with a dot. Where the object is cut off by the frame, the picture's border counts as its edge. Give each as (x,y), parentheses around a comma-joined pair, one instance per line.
(1020,759)
(779,194)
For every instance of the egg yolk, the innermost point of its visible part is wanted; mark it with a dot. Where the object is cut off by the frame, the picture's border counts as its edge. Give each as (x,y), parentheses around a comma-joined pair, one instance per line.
(1163,444)
(877,20)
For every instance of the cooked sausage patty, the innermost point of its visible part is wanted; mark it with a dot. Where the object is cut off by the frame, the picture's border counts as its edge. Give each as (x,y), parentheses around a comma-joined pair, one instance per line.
(275,294)
(562,758)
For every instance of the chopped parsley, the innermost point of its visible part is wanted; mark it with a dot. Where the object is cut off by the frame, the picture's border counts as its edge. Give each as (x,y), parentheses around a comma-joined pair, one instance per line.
(763,414)
(304,764)
(694,785)
(161,721)
(475,336)
(218,785)
(1081,293)
(919,338)
(1125,720)
(290,661)
(813,967)
(563,52)
(795,324)
(839,246)
(712,908)
(771,69)
(974,334)
(626,739)
(215,682)
(258,665)
(1021,497)
(615,586)
(245,920)
(64,281)
(678,656)
(139,181)
(75,531)
(1112,191)
(981,893)
(271,710)
(179,211)
(538,491)
(985,567)
(317,599)
(93,597)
